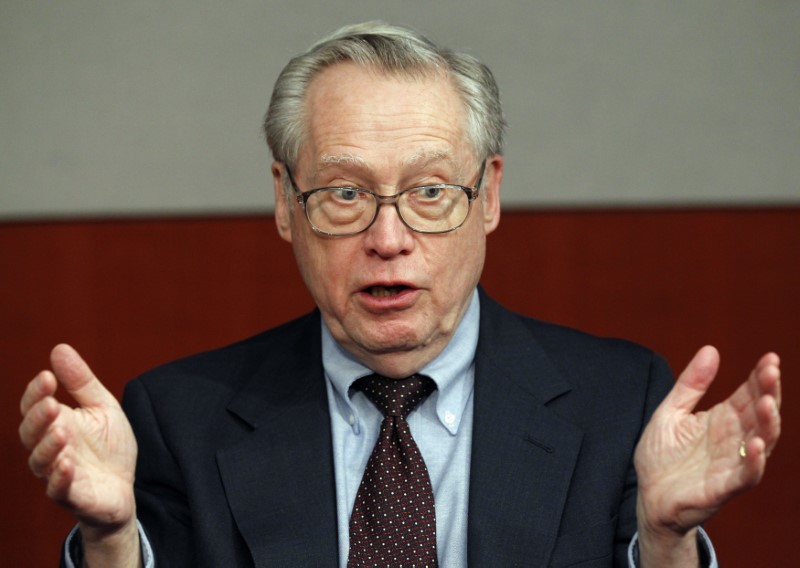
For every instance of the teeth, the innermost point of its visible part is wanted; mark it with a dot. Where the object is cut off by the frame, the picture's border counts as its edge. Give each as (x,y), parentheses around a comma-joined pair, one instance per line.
(385,291)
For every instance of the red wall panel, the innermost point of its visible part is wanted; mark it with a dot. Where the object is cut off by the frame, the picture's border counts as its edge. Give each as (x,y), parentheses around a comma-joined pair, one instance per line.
(130,294)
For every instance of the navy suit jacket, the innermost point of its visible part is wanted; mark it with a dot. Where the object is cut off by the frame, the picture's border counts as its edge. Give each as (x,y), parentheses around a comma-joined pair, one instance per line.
(235,462)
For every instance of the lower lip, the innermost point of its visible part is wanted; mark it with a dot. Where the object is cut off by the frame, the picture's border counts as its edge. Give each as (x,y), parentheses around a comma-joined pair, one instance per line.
(381,304)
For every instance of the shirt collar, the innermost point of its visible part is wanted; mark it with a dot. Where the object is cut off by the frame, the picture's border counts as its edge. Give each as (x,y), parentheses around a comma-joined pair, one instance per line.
(451,370)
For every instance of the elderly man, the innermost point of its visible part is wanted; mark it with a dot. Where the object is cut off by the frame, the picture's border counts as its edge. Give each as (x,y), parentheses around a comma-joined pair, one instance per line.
(410,420)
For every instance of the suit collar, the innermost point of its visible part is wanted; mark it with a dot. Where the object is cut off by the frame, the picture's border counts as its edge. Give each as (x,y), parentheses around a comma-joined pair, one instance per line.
(509,347)
(279,380)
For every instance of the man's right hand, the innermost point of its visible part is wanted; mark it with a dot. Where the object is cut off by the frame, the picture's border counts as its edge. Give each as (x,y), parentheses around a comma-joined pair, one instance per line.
(86,455)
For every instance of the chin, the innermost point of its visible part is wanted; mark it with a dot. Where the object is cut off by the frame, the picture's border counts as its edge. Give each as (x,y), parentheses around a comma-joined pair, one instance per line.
(396,339)
(390,345)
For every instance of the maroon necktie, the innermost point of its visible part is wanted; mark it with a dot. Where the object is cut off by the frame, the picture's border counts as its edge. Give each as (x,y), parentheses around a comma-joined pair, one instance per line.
(394,520)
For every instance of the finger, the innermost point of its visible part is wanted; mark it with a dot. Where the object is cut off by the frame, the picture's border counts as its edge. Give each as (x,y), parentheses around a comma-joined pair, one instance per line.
(78,379)
(768,371)
(694,381)
(769,422)
(37,421)
(755,461)
(42,385)
(770,358)
(60,481)
(764,380)
(45,455)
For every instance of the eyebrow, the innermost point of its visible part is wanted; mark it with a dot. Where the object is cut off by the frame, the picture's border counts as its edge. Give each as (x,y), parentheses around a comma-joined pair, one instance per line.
(338,159)
(427,156)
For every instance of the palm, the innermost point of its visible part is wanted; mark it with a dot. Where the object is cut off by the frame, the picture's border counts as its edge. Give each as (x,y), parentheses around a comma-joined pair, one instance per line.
(690,464)
(87,455)
(103,450)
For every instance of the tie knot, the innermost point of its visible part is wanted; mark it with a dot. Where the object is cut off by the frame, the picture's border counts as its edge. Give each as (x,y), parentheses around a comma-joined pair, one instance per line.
(396,397)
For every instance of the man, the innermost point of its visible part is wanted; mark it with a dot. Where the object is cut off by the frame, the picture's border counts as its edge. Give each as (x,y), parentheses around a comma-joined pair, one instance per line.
(387,173)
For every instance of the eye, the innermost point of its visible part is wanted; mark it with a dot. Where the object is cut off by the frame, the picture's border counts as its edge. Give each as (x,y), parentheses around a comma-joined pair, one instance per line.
(431,192)
(345,194)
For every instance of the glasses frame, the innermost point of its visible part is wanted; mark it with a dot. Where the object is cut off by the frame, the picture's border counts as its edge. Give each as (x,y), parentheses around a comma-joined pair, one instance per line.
(381,200)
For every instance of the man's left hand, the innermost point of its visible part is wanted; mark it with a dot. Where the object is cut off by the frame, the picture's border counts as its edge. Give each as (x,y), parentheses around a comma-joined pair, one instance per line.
(689,464)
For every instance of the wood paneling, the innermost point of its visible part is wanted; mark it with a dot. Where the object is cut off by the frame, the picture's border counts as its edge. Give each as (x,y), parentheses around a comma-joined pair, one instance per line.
(130,294)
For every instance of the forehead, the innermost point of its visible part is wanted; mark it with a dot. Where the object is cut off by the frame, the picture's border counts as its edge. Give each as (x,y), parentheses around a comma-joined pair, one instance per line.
(372,117)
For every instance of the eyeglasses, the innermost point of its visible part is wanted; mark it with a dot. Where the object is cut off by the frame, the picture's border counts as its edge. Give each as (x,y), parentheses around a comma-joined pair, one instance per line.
(346,211)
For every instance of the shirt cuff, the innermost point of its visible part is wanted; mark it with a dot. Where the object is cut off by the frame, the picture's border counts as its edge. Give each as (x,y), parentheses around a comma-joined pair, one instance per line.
(73,549)
(705,551)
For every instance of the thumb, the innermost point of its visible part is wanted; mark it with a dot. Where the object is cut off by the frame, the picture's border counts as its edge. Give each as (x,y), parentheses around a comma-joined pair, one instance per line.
(72,371)
(694,381)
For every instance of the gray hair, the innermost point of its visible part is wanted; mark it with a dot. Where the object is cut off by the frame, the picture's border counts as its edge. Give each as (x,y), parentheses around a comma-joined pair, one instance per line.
(391,49)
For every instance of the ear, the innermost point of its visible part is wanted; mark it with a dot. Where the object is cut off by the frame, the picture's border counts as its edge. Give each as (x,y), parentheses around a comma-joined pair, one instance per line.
(283,214)
(491,191)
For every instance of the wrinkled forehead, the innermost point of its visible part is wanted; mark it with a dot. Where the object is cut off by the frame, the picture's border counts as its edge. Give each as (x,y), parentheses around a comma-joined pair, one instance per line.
(370,104)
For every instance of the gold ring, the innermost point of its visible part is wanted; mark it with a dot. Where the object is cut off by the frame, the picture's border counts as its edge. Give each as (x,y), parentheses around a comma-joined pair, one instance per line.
(742,449)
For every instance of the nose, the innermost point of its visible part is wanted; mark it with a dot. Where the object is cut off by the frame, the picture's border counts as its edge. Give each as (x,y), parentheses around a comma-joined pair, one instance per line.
(389,236)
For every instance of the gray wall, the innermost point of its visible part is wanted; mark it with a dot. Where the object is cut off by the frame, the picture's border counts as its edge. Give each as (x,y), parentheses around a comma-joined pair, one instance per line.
(151,107)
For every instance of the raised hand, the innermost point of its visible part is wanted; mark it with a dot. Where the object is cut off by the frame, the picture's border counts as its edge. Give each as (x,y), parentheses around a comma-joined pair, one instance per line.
(689,464)
(86,455)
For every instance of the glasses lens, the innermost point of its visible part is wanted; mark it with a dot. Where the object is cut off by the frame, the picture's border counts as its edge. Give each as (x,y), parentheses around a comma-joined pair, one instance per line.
(340,211)
(435,208)
(347,210)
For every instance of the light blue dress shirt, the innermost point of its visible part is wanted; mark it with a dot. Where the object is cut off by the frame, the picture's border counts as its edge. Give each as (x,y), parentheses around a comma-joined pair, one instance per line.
(441,426)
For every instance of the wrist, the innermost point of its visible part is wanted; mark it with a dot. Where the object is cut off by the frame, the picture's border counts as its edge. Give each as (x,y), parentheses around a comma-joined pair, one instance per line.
(665,545)
(116,545)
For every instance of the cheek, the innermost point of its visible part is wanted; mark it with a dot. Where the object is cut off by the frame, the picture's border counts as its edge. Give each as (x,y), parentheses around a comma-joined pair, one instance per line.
(324,266)
(459,264)
(467,271)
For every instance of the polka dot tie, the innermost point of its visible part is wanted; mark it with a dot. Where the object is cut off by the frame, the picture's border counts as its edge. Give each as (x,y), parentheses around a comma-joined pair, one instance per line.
(394,520)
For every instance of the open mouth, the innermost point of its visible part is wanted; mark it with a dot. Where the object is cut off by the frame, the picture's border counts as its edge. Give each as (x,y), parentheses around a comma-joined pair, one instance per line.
(385,291)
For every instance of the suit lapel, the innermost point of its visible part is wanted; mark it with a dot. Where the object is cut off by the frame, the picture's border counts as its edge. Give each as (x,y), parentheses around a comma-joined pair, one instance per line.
(523,454)
(279,478)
